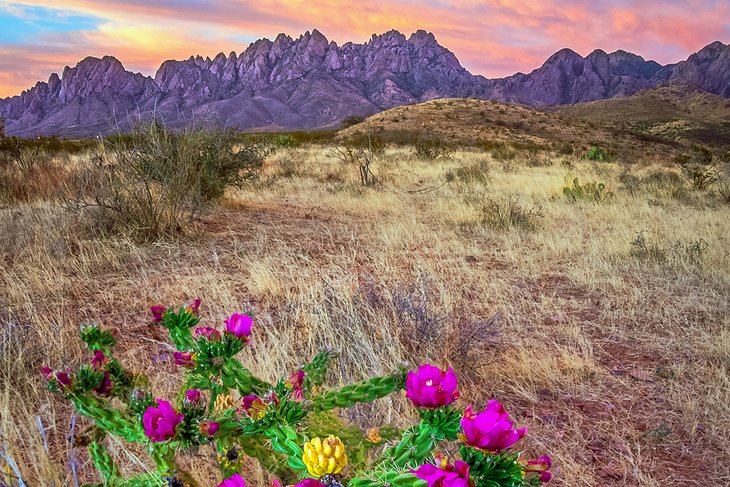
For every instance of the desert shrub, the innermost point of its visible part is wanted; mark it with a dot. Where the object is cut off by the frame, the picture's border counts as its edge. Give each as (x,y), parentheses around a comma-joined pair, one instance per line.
(157,180)
(431,149)
(686,251)
(723,189)
(500,150)
(351,121)
(597,154)
(292,426)
(699,167)
(361,150)
(476,172)
(576,192)
(284,140)
(508,213)
(566,149)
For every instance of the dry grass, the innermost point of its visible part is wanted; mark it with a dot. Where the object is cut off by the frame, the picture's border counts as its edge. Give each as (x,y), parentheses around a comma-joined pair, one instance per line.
(558,322)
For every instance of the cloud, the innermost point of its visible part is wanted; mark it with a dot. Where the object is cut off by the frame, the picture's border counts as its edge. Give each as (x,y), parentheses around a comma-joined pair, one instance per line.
(490,37)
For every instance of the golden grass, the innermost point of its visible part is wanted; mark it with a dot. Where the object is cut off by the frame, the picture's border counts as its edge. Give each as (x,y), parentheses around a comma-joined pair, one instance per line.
(388,275)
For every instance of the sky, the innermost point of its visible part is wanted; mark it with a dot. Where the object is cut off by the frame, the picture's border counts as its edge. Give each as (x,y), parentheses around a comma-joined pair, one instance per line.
(494,38)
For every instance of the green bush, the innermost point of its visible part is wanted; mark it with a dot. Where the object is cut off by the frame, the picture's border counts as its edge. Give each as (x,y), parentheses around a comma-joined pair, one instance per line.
(685,251)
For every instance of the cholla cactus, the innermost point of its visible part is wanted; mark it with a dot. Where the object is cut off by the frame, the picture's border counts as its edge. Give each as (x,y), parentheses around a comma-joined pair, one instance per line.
(290,427)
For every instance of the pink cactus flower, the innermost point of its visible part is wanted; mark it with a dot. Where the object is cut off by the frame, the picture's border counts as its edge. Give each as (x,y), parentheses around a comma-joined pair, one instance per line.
(235,481)
(160,422)
(47,373)
(541,466)
(275,483)
(209,333)
(254,407)
(158,312)
(443,474)
(491,430)
(294,384)
(65,379)
(431,387)
(209,428)
(193,305)
(184,359)
(99,360)
(272,398)
(239,326)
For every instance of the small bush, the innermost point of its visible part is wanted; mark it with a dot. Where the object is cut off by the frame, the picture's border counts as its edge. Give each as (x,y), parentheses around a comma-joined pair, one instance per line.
(431,149)
(686,251)
(284,140)
(576,192)
(508,213)
(699,167)
(500,150)
(352,120)
(473,173)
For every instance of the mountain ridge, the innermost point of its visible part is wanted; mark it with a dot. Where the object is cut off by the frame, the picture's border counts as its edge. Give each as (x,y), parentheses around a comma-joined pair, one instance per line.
(311,82)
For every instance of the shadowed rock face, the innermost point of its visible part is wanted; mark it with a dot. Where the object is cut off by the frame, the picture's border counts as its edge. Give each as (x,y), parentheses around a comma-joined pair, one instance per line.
(310,82)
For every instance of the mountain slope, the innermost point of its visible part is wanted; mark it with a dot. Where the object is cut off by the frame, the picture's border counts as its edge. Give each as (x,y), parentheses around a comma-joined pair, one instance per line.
(309,82)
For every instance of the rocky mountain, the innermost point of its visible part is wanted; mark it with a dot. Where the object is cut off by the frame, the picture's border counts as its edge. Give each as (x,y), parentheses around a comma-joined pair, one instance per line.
(310,82)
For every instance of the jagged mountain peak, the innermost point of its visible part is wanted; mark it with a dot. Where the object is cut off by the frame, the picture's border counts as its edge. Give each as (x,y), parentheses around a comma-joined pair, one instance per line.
(309,82)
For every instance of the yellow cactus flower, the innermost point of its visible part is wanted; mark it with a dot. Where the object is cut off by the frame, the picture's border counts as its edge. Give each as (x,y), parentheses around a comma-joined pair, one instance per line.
(223,402)
(323,457)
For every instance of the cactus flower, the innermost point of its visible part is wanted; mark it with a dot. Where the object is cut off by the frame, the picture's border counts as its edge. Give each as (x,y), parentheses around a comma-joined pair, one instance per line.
(443,474)
(239,326)
(322,457)
(275,483)
(193,306)
(47,373)
(294,384)
(99,360)
(234,481)
(254,407)
(184,359)
(310,483)
(541,466)
(160,422)
(193,396)
(431,387)
(158,312)
(491,430)
(211,334)
(209,428)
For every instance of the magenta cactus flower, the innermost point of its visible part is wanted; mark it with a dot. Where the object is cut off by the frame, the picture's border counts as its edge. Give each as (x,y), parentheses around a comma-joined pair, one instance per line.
(184,359)
(63,378)
(443,474)
(47,373)
(160,422)
(541,466)
(432,388)
(275,483)
(209,428)
(491,430)
(99,360)
(239,326)
(158,312)
(193,395)
(234,481)
(193,305)
(310,483)
(211,334)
